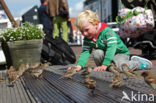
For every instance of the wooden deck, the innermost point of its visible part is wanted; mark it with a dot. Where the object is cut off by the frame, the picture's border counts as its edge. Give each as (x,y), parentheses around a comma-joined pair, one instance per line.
(51,89)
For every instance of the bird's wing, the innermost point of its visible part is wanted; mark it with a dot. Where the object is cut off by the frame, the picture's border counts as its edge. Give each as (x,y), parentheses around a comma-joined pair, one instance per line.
(150,79)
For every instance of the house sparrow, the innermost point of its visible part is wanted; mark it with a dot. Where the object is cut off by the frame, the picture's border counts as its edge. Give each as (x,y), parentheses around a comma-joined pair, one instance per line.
(22,68)
(150,80)
(37,73)
(69,73)
(114,69)
(12,73)
(13,76)
(45,65)
(90,83)
(116,81)
(35,65)
(1,79)
(129,72)
(86,71)
(11,69)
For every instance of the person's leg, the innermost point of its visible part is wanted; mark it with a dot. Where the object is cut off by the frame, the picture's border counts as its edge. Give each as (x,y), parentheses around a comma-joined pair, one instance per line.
(98,56)
(64,28)
(142,62)
(134,63)
(120,59)
(56,26)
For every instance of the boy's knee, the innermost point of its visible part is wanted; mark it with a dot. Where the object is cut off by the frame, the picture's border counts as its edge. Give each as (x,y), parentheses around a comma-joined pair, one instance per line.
(98,53)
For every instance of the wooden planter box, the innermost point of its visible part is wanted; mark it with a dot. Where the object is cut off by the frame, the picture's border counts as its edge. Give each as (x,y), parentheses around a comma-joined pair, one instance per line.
(25,51)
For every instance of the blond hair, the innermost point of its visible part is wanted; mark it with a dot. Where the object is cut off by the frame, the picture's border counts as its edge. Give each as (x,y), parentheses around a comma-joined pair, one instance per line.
(86,15)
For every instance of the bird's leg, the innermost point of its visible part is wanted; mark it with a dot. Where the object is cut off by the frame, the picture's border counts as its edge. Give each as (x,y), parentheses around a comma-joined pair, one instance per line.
(88,92)
(70,78)
(92,91)
(118,84)
(40,76)
(112,84)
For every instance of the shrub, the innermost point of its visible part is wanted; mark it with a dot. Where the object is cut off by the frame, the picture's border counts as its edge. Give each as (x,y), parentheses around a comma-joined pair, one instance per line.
(27,31)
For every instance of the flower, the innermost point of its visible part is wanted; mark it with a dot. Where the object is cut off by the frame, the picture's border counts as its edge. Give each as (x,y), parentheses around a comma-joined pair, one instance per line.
(27,31)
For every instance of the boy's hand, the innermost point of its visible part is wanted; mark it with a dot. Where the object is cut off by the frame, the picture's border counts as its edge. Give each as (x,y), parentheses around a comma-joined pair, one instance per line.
(78,68)
(100,68)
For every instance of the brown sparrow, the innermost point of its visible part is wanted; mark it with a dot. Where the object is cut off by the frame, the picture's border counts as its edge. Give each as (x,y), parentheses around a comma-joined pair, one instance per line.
(129,72)
(114,69)
(13,76)
(116,81)
(37,73)
(150,80)
(87,71)
(11,69)
(35,65)
(22,68)
(1,79)
(69,73)
(90,83)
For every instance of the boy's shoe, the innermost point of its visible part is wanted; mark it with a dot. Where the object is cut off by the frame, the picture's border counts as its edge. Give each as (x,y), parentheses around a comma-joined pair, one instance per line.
(144,63)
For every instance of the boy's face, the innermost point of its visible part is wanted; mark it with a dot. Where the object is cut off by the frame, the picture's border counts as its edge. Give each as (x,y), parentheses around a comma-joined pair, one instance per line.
(89,30)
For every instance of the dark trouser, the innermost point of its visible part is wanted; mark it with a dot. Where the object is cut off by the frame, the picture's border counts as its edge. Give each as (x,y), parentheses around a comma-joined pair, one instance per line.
(48,33)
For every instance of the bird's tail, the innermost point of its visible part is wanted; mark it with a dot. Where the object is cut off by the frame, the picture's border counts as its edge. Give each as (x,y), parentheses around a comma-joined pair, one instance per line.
(1,79)
(92,91)
(61,77)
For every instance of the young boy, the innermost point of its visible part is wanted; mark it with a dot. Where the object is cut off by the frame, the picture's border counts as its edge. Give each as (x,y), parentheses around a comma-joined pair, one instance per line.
(106,43)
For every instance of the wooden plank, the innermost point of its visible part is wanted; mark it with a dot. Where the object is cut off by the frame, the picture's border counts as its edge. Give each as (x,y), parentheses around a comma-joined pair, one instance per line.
(22,94)
(5,91)
(49,91)
(29,94)
(77,91)
(38,89)
(36,93)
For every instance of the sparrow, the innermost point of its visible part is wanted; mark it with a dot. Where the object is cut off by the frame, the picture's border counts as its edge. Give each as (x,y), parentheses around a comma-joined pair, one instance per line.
(35,65)
(69,73)
(128,72)
(11,73)
(13,76)
(37,73)
(11,69)
(116,81)
(90,84)
(87,71)
(1,79)
(150,80)
(45,65)
(22,68)
(114,69)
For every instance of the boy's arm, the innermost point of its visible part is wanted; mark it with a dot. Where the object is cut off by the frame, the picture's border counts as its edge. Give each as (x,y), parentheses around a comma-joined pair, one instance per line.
(111,47)
(84,56)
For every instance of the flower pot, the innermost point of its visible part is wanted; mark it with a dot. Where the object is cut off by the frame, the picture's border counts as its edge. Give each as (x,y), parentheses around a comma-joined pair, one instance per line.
(25,51)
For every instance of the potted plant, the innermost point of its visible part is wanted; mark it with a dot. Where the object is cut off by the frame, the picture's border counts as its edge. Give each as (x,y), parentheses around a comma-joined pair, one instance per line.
(24,42)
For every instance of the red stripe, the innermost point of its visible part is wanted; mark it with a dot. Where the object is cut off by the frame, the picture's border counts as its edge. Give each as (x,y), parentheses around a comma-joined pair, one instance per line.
(103,26)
